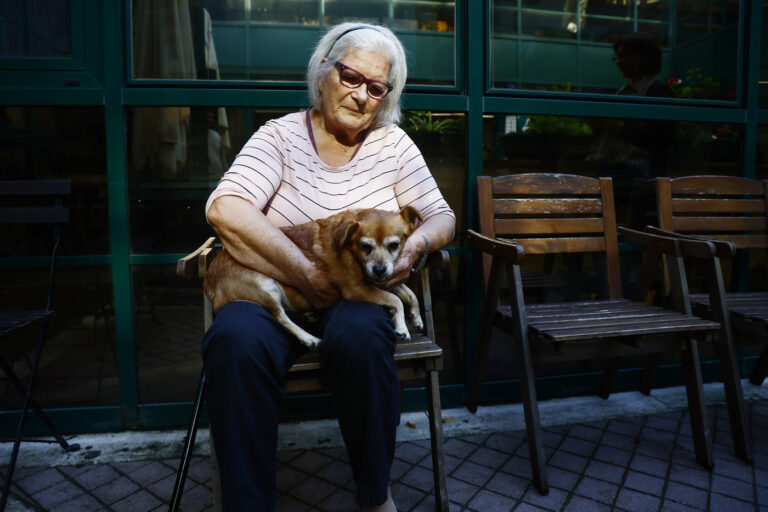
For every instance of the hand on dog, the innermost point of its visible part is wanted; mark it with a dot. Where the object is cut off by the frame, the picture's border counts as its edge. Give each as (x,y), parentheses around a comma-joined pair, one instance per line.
(318,291)
(403,265)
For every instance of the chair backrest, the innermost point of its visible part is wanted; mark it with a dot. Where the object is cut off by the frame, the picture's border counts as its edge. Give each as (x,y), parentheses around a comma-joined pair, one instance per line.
(552,214)
(725,208)
(37,202)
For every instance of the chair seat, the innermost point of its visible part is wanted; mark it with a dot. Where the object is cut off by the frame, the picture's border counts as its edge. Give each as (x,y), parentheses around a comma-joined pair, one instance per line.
(12,321)
(747,305)
(420,347)
(610,318)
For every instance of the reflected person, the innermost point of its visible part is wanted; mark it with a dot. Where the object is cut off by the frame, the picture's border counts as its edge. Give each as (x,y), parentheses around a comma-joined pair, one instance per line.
(629,150)
(345,151)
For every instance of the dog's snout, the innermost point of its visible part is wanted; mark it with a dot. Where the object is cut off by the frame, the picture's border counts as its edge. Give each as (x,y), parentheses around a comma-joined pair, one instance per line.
(379,269)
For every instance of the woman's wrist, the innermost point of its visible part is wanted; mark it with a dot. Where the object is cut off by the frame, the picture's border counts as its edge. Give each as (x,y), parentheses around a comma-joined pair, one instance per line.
(424,255)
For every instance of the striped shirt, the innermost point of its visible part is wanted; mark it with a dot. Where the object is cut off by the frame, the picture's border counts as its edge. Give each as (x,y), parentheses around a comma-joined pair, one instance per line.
(279,172)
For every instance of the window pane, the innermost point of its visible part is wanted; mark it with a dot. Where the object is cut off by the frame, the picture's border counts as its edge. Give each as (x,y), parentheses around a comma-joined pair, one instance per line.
(763,88)
(631,151)
(56,143)
(567,45)
(79,364)
(225,40)
(34,28)
(168,320)
(762,153)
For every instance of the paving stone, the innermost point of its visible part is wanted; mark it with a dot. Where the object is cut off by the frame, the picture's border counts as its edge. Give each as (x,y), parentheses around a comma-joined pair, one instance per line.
(196,499)
(504,443)
(613,455)
(461,492)
(82,503)
(310,462)
(420,478)
(288,477)
(488,457)
(58,494)
(637,501)
(487,500)
(340,501)
(287,503)
(649,465)
(645,483)
(508,485)
(150,473)
(141,500)
(586,432)
(473,473)
(459,448)
(117,490)
(552,501)
(313,490)
(619,441)
(731,487)
(412,453)
(581,504)
(569,461)
(686,495)
(696,477)
(337,472)
(38,480)
(97,476)
(518,466)
(720,502)
(577,446)
(407,497)
(598,490)
(605,471)
(736,470)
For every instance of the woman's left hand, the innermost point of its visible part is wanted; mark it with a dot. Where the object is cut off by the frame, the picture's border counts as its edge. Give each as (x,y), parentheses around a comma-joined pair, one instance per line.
(404,263)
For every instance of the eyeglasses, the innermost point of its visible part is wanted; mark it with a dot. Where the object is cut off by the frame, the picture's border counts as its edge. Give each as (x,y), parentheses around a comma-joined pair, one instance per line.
(623,54)
(354,79)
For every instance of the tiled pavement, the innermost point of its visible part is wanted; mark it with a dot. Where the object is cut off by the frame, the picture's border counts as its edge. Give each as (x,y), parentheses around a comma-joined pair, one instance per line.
(630,463)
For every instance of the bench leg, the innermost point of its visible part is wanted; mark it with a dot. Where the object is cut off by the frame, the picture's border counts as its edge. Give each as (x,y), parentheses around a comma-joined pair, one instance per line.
(760,370)
(436,438)
(702,440)
(608,379)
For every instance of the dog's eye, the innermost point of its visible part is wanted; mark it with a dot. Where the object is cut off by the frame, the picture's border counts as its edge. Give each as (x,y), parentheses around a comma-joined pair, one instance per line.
(366,247)
(393,246)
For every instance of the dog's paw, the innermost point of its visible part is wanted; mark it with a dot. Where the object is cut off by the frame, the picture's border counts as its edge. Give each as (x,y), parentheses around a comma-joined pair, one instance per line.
(310,341)
(403,335)
(416,322)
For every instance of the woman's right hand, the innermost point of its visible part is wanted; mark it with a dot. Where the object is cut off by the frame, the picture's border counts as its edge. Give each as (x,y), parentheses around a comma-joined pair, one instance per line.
(318,291)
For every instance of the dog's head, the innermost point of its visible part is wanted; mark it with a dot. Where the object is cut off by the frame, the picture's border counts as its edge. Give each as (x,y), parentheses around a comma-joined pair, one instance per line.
(376,238)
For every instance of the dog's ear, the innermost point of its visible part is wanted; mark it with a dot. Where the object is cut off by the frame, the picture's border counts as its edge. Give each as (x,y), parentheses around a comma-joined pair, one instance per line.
(412,216)
(343,231)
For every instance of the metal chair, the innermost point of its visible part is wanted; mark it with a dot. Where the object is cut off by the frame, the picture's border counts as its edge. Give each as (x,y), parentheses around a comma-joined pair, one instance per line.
(23,199)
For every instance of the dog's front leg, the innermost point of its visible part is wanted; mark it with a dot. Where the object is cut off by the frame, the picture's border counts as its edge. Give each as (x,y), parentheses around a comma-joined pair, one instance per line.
(411,302)
(386,299)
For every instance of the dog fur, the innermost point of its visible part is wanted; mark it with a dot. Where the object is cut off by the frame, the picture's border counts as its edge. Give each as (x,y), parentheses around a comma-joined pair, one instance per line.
(355,249)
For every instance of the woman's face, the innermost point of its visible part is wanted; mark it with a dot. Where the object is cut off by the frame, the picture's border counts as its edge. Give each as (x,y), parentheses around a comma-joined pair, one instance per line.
(352,110)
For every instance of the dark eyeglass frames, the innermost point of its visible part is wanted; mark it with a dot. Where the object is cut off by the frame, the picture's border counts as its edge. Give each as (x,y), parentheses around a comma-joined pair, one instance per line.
(353,79)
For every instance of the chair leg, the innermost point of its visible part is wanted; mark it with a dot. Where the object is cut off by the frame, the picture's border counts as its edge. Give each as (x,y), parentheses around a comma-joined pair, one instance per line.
(760,370)
(734,398)
(436,438)
(8,370)
(702,439)
(649,373)
(532,422)
(23,417)
(189,442)
(608,379)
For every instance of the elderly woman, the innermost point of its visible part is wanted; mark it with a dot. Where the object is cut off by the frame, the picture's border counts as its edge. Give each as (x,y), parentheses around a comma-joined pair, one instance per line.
(343,152)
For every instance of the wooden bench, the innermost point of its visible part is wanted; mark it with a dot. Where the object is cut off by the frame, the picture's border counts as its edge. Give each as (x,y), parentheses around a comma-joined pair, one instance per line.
(731,212)
(555,214)
(421,358)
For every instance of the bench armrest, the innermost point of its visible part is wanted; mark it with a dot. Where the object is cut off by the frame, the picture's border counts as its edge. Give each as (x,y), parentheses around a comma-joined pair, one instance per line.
(506,249)
(722,248)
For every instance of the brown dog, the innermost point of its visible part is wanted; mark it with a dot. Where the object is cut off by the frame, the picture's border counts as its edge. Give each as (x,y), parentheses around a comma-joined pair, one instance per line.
(356,249)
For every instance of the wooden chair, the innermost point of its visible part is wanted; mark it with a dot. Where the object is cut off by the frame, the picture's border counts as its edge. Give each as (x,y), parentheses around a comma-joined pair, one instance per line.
(732,212)
(419,359)
(559,213)
(33,202)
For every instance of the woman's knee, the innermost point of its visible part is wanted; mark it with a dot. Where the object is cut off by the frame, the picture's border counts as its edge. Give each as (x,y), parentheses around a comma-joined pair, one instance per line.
(245,333)
(358,332)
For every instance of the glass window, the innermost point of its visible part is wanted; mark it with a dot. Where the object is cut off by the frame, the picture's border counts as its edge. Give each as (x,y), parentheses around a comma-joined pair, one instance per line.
(631,151)
(34,28)
(79,364)
(168,322)
(55,143)
(594,46)
(762,153)
(763,87)
(225,39)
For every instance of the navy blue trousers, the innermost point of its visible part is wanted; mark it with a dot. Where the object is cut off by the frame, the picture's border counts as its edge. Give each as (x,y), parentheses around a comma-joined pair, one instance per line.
(247,354)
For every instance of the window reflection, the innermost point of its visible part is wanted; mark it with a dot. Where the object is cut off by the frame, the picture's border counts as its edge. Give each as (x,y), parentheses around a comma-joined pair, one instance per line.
(34,28)
(57,143)
(226,39)
(631,151)
(79,363)
(566,45)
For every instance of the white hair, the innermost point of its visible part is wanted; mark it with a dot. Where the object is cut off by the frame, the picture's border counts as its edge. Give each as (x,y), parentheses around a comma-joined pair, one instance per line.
(345,37)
